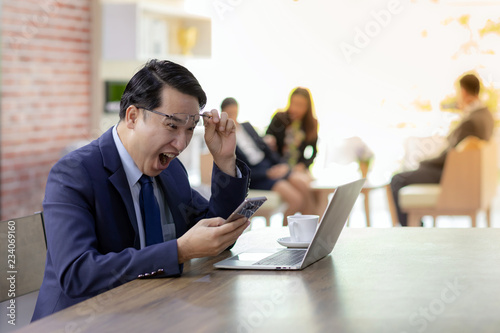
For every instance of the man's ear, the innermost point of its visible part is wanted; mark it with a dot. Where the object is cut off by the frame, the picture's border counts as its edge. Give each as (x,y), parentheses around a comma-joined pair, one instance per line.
(131,116)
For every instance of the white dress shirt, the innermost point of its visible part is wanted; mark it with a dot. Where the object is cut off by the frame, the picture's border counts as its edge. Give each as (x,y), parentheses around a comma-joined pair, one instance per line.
(245,142)
(133,175)
(474,106)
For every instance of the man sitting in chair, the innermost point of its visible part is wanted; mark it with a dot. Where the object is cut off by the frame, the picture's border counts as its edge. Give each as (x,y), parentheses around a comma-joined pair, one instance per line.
(477,122)
(122,207)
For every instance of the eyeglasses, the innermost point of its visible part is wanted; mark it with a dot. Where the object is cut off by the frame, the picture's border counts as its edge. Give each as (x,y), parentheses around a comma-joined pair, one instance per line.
(179,119)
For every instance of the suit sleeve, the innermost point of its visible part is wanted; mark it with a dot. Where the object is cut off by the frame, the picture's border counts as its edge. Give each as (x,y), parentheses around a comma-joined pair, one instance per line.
(274,127)
(277,129)
(73,247)
(227,194)
(464,130)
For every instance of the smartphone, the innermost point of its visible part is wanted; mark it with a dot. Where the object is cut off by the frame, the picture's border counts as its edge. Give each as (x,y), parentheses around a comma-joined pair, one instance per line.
(247,208)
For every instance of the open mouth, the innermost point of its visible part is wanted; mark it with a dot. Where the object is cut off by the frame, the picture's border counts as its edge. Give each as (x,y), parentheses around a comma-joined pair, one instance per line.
(165,158)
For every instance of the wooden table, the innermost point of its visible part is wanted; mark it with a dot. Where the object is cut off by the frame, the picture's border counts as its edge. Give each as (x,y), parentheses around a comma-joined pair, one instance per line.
(375,280)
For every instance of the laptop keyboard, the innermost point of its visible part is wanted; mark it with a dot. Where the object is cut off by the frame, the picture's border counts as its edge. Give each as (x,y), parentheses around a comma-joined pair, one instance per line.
(283,258)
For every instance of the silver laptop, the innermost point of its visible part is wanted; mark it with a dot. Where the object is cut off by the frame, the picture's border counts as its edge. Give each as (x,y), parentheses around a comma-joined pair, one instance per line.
(324,239)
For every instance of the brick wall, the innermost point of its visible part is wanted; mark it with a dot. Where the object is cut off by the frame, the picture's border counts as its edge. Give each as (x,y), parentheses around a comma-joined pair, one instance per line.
(45,94)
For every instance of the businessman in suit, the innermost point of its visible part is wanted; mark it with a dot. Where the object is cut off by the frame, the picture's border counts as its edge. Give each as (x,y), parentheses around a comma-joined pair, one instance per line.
(477,122)
(122,208)
(268,172)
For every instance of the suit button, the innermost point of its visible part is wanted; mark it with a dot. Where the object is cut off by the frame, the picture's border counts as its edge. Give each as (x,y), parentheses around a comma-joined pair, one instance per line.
(146,274)
(140,276)
(160,270)
(153,273)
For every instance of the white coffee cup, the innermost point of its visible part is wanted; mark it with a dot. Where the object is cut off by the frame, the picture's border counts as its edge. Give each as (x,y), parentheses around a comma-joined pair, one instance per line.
(302,227)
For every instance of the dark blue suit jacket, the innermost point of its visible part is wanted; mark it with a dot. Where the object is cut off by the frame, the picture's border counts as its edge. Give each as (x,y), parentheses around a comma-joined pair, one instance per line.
(91,226)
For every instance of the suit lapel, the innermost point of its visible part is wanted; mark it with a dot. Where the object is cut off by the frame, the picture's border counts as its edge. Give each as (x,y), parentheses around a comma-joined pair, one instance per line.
(167,183)
(122,187)
(118,178)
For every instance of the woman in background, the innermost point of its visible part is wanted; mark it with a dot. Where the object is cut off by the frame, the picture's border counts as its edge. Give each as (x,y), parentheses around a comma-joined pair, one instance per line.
(293,133)
(267,171)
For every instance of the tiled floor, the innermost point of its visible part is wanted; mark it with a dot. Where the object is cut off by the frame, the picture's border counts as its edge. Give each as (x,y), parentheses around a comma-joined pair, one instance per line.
(380,217)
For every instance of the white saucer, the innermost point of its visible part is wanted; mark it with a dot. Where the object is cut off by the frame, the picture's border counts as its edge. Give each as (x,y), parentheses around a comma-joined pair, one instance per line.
(287,241)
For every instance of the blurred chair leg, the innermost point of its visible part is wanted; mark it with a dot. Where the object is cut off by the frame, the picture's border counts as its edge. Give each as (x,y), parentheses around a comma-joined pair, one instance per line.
(414,220)
(391,205)
(473,219)
(488,216)
(366,193)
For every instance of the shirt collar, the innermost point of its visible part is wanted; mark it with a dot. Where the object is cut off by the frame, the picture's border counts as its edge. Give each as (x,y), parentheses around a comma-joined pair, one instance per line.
(131,170)
(474,106)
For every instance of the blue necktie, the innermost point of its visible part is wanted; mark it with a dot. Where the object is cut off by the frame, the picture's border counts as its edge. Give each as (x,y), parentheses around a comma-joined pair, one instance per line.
(150,211)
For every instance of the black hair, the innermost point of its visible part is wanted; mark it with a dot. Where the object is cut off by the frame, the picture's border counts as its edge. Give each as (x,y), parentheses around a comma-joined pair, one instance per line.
(145,88)
(227,102)
(471,84)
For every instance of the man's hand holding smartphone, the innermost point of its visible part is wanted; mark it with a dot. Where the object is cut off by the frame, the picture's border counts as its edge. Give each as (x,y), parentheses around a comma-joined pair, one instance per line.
(209,237)
(247,208)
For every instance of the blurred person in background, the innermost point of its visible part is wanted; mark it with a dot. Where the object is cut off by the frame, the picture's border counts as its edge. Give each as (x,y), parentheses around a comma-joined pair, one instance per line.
(477,121)
(267,171)
(293,133)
